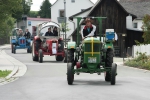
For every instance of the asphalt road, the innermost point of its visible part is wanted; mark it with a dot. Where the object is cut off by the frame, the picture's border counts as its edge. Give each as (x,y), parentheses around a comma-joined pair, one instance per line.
(47,81)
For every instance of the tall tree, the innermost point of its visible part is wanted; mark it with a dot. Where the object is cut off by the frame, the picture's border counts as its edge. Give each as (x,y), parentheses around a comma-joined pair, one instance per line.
(8,7)
(25,9)
(146,29)
(9,11)
(45,10)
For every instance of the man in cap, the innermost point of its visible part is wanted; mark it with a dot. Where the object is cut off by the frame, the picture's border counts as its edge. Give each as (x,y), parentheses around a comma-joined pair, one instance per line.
(89,29)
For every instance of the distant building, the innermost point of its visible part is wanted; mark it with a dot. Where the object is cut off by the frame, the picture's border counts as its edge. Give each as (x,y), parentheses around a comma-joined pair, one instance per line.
(31,23)
(72,7)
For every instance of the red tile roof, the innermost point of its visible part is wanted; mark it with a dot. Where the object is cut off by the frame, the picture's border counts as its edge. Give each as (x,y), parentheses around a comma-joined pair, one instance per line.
(38,19)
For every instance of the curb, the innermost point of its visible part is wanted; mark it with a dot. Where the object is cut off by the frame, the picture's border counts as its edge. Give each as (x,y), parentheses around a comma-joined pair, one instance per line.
(19,68)
(15,70)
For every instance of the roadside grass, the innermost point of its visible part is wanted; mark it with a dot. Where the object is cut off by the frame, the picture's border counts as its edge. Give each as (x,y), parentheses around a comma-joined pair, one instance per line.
(4,73)
(142,61)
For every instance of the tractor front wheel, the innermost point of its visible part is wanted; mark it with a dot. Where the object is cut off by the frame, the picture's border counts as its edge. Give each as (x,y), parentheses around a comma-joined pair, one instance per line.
(70,73)
(28,50)
(108,63)
(59,58)
(113,74)
(70,56)
(34,56)
(14,49)
(40,56)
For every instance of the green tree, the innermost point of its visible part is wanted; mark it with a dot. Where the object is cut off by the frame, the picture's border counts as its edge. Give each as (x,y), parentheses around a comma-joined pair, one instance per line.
(6,27)
(45,10)
(25,9)
(62,27)
(146,29)
(33,14)
(8,7)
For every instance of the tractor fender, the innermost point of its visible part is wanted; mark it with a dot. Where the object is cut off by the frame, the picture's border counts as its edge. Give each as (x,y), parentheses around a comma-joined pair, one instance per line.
(71,45)
(13,41)
(109,45)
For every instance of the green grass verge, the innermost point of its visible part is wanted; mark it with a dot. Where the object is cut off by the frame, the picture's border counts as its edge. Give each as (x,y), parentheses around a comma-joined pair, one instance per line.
(4,73)
(141,61)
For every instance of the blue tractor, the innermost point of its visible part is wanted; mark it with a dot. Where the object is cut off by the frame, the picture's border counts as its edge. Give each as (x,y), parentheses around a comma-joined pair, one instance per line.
(19,42)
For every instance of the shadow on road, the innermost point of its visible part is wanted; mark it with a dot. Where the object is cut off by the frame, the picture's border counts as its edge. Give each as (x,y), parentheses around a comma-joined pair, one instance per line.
(99,83)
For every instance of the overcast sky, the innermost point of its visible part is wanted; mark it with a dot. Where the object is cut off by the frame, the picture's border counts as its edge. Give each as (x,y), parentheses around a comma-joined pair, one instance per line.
(37,3)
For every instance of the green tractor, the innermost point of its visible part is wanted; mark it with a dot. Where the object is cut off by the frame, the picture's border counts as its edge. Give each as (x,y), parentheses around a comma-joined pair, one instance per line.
(93,55)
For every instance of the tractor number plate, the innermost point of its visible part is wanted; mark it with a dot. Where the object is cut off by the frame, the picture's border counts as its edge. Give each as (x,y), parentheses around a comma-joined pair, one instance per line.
(91,59)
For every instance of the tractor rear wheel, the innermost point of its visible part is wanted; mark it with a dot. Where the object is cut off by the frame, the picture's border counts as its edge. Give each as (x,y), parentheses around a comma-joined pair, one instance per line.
(108,63)
(59,58)
(70,56)
(61,43)
(28,51)
(113,74)
(34,56)
(40,56)
(70,73)
(14,49)
(65,60)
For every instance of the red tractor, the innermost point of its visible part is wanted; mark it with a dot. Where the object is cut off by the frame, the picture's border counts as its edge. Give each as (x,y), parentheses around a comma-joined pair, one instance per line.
(47,44)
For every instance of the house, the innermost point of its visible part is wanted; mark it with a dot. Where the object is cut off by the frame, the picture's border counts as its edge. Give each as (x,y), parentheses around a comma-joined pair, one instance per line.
(124,16)
(31,23)
(72,7)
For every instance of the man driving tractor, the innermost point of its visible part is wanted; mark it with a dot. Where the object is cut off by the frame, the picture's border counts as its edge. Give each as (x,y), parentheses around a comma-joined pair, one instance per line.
(49,33)
(89,29)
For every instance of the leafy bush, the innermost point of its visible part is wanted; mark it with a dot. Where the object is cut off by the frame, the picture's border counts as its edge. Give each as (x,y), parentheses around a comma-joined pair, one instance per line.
(141,61)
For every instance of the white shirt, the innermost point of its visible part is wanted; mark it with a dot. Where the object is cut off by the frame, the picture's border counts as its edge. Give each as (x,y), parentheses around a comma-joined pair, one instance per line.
(90,34)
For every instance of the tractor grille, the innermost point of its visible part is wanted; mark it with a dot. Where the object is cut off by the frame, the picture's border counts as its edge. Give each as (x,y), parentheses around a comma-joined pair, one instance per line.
(22,41)
(88,47)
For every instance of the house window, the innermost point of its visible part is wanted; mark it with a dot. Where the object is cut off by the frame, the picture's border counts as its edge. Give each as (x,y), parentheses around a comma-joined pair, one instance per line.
(73,1)
(135,25)
(29,23)
(61,13)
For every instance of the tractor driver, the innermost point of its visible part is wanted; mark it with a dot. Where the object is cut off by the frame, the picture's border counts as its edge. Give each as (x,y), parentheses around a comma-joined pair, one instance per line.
(49,33)
(20,33)
(27,34)
(89,29)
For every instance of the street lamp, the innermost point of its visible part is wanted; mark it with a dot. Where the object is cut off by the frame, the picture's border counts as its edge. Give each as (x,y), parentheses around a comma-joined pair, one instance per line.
(123,35)
(65,19)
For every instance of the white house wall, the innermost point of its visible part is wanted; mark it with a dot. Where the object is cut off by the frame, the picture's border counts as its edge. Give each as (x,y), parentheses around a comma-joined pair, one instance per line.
(71,9)
(139,22)
(35,23)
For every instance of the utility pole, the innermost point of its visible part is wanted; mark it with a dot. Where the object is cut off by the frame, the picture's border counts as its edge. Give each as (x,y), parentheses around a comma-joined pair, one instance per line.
(65,19)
